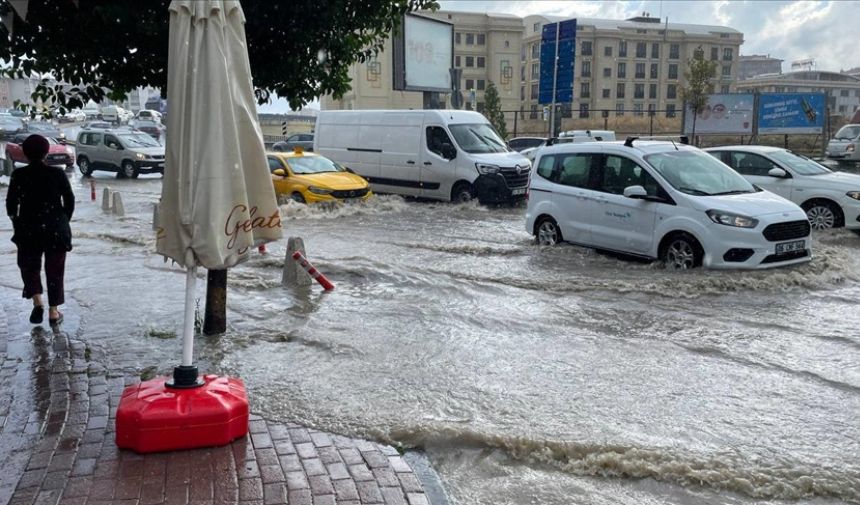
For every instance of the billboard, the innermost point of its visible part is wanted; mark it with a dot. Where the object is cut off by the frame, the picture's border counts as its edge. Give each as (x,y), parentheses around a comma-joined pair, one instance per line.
(423,55)
(557,72)
(786,113)
(724,113)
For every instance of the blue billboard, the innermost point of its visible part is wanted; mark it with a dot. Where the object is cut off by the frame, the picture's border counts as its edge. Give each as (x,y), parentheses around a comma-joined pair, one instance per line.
(557,73)
(786,113)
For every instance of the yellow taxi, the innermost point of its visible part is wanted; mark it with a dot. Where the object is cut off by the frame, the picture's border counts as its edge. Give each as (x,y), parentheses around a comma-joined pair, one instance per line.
(311,178)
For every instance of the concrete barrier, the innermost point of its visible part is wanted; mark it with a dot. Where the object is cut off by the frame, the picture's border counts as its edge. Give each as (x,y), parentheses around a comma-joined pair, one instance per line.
(118,207)
(155,216)
(294,274)
(106,199)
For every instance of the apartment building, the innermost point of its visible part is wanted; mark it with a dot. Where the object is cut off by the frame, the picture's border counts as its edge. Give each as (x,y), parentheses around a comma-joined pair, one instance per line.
(629,66)
(486,48)
(842,89)
(758,64)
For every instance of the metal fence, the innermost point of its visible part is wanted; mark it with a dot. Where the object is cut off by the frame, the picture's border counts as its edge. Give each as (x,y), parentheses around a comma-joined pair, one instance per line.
(622,121)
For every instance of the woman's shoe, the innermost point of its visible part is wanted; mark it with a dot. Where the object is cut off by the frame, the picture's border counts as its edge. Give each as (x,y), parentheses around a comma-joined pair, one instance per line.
(37,315)
(57,320)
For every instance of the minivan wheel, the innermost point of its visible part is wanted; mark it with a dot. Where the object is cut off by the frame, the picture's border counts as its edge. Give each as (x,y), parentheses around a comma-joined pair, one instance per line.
(547,232)
(128,170)
(461,193)
(822,215)
(84,166)
(682,252)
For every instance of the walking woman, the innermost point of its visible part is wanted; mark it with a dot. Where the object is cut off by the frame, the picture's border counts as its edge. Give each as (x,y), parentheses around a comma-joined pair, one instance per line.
(40,203)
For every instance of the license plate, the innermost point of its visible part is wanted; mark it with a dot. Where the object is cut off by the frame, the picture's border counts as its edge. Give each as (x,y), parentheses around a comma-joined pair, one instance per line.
(790,247)
(518,191)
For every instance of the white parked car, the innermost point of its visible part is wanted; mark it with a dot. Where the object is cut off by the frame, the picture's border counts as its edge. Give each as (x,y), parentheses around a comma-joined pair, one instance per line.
(830,199)
(844,147)
(662,200)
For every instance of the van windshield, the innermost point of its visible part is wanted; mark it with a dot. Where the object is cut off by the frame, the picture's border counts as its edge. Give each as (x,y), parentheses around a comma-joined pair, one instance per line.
(848,132)
(478,138)
(138,140)
(698,173)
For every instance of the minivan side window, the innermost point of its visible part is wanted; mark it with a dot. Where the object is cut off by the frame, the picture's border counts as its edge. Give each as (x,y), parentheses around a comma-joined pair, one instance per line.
(545,167)
(436,137)
(751,164)
(112,142)
(574,169)
(620,173)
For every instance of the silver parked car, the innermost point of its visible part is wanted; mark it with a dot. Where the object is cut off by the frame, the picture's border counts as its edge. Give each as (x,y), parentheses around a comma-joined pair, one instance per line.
(129,153)
(303,140)
(844,147)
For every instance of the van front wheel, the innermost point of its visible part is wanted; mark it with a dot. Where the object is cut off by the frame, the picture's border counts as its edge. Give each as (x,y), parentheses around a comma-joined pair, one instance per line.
(462,192)
(682,252)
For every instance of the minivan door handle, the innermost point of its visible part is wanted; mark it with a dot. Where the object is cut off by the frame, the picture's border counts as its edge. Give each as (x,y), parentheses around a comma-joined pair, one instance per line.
(410,162)
(427,163)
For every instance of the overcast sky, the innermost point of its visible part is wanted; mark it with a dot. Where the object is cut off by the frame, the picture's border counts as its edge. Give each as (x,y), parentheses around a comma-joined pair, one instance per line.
(791,30)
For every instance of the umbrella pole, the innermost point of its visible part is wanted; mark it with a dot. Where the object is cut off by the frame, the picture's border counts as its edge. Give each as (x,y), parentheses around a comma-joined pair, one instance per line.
(185,375)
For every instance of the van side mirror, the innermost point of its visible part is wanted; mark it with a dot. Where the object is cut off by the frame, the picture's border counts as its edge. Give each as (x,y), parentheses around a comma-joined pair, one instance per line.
(279,172)
(777,172)
(635,192)
(449,152)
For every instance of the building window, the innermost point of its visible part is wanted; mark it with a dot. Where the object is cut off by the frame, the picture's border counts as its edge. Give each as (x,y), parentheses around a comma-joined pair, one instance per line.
(535,50)
(670,110)
(585,90)
(843,92)
(481,84)
(619,90)
(457,61)
(642,31)
(536,27)
(607,72)
(619,109)
(622,49)
(522,94)
(655,51)
(586,69)
(523,52)
(655,70)
(727,54)
(457,38)
(857,93)
(470,39)
(641,49)
(674,51)
(482,39)
(622,70)
(779,89)
(522,73)
(583,110)
(671,91)
(727,70)
(522,112)
(640,70)
(470,83)
(533,113)
(673,71)
(651,108)
(507,44)
(725,35)
(638,91)
(535,70)
(534,91)
(637,109)
(566,110)
(652,91)
(724,88)
(606,92)
(715,52)
(481,62)
(470,61)
(843,109)
(586,48)
(607,51)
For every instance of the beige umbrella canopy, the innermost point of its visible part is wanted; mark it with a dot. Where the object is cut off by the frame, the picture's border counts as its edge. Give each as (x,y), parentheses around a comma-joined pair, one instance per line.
(217,198)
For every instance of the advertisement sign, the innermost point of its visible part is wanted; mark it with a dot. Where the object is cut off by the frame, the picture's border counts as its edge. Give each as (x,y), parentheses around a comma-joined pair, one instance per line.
(561,38)
(786,113)
(423,55)
(723,113)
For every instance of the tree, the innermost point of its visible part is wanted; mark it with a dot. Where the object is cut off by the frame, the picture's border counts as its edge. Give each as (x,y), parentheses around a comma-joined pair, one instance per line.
(107,48)
(493,110)
(698,86)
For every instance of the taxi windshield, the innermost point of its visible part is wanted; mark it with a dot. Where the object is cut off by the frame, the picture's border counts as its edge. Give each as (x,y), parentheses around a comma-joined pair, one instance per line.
(313,165)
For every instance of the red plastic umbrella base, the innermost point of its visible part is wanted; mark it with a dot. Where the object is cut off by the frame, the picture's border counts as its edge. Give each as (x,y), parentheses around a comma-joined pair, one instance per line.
(152,417)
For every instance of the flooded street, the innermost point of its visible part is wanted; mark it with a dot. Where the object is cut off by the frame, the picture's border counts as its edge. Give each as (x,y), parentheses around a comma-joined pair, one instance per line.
(529,375)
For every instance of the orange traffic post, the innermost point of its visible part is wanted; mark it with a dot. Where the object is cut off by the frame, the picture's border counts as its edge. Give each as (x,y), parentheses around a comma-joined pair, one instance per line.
(313,272)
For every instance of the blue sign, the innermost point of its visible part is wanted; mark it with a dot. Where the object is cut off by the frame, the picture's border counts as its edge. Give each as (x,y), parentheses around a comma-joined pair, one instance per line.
(785,113)
(557,72)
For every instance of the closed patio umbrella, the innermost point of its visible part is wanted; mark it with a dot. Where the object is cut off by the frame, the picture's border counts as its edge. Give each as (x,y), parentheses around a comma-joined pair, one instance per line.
(217,203)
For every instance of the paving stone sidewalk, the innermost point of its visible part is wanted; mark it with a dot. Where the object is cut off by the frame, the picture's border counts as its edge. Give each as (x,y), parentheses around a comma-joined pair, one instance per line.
(57,442)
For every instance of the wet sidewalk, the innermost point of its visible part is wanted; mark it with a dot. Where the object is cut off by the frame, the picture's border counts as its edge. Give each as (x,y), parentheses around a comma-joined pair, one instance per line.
(57,440)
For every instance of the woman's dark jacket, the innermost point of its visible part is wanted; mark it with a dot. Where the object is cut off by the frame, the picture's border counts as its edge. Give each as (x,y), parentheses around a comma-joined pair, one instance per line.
(40,203)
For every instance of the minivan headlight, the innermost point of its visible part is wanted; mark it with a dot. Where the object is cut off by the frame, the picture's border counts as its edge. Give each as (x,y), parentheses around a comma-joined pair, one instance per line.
(730,219)
(853,194)
(485,168)
(849,148)
(318,191)
(141,156)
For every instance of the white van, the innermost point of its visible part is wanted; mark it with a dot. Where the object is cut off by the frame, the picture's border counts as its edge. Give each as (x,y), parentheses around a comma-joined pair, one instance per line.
(589,135)
(440,154)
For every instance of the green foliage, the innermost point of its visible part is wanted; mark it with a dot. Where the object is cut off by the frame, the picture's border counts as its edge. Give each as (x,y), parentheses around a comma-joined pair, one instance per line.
(493,110)
(698,86)
(300,49)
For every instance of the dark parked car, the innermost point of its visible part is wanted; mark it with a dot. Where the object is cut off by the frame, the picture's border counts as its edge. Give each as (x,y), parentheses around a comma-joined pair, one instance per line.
(520,143)
(10,126)
(45,130)
(303,140)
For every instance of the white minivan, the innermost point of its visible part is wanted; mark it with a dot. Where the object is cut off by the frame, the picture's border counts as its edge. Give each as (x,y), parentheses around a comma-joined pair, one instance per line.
(438,154)
(662,200)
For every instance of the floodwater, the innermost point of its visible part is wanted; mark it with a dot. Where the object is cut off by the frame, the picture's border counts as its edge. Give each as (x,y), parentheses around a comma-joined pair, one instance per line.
(529,375)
